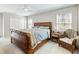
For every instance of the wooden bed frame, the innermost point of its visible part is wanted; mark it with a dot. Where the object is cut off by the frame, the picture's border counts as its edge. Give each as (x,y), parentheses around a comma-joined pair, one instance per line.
(23,41)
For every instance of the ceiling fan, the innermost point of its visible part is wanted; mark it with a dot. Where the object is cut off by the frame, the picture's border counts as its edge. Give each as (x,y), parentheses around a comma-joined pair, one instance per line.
(27,8)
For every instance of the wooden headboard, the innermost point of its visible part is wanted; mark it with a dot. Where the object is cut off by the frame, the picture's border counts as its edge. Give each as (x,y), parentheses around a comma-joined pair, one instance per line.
(46,24)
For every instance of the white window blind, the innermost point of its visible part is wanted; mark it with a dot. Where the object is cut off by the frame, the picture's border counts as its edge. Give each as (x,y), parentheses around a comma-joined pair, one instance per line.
(64,21)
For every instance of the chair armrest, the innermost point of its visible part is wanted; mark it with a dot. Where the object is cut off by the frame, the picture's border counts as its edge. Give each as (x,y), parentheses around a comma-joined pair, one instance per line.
(74,42)
(62,36)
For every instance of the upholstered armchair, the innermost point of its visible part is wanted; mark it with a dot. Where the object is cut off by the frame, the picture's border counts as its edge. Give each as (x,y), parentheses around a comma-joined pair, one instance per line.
(70,40)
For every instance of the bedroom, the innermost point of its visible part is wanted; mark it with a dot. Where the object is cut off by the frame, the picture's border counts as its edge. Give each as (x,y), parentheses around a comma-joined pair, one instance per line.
(21,17)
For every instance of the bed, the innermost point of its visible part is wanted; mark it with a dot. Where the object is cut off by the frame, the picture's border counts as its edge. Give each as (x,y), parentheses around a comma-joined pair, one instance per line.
(24,38)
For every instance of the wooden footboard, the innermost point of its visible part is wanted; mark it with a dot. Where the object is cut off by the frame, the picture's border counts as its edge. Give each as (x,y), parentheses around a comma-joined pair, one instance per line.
(20,39)
(23,41)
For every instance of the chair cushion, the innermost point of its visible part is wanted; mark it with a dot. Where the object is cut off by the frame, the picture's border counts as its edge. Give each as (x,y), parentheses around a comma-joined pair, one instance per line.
(67,40)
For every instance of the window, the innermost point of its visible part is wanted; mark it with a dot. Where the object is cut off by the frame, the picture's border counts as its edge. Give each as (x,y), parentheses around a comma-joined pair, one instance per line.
(64,21)
(17,22)
(22,24)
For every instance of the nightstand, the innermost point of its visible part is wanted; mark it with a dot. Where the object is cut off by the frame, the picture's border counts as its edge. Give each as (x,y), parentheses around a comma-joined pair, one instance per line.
(55,37)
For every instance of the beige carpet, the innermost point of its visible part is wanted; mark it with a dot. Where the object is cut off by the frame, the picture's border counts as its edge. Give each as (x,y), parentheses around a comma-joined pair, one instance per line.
(49,48)
(52,48)
(8,48)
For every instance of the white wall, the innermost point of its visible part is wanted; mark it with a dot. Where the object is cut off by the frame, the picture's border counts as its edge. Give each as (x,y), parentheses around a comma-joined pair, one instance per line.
(78,18)
(51,16)
(6,24)
(1,25)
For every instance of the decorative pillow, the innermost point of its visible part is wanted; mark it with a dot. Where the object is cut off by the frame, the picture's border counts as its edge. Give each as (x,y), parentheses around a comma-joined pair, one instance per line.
(35,27)
(43,27)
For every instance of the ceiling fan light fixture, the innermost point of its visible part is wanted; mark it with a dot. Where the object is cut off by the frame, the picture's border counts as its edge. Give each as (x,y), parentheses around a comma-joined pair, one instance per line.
(26,9)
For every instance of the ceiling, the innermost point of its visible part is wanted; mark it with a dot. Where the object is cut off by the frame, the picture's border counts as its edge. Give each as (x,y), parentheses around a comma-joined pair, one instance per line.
(34,8)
